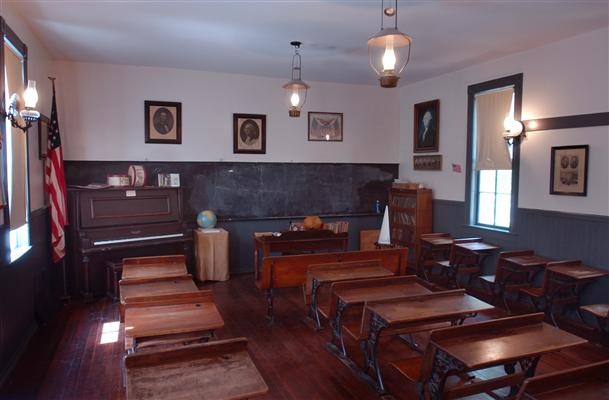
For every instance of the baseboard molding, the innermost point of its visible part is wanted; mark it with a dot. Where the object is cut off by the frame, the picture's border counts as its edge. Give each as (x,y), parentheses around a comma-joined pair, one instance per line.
(6,370)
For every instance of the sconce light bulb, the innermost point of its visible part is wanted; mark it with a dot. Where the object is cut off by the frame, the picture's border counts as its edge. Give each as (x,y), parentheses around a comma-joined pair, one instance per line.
(30,96)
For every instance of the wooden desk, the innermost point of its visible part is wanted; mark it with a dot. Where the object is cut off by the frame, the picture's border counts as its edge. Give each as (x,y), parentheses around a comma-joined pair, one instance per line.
(567,282)
(325,274)
(432,246)
(170,317)
(585,382)
(492,343)
(349,295)
(462,250)
(298,242)
(221,370)
(150,287)
(518,266)
(405,315)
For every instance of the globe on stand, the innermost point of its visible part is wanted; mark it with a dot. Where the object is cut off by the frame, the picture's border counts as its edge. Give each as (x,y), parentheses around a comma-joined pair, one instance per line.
(206,219)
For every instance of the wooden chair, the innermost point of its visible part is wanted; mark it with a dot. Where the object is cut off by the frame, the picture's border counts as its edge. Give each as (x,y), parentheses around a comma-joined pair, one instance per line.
(460,262)
(429,254)
(498,284)
(548,294)
(418,370)
(601,313)
(589,381)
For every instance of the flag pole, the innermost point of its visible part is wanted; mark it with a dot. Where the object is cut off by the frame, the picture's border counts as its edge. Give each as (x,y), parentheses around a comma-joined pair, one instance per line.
(64,275)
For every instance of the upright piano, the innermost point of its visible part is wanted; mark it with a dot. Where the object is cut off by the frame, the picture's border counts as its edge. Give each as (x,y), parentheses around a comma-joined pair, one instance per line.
(114,223)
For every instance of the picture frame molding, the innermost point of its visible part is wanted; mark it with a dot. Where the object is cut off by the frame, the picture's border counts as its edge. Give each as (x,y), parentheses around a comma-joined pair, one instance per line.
(553,152)
(178,121)
(418,108)
(342,122)
(262,118)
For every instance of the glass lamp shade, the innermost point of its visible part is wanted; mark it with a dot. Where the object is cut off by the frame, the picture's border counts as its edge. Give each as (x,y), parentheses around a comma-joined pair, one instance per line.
(296,95)
(30,96)
(389,52)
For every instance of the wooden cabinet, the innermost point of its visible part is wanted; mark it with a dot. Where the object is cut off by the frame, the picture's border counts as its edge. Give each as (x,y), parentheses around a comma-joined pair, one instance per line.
(410,216)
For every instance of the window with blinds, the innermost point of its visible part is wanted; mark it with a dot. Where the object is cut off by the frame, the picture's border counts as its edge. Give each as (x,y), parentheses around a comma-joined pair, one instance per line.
(15,185)
(492,161)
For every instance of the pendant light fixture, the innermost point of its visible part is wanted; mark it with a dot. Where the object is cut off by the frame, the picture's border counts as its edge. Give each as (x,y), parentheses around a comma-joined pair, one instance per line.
(296,89)
(389,49)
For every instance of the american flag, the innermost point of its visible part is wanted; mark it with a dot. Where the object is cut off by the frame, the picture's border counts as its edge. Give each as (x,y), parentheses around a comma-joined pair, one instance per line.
(55,183)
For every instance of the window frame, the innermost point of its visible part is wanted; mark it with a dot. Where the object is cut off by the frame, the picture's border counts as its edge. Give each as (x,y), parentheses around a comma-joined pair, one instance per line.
(8,35)
(471,180)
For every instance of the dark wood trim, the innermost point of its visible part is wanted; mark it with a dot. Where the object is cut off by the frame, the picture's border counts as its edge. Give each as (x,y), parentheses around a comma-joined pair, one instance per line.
(567,122)
(470,180)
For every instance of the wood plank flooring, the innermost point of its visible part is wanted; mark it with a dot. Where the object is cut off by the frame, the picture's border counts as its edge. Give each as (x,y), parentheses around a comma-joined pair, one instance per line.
(66,359)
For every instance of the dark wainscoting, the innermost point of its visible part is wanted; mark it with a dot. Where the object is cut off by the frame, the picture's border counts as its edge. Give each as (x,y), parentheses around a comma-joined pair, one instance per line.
(556,235)
(28,294)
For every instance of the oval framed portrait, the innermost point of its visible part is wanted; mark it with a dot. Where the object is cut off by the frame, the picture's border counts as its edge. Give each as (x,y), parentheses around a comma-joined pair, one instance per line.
(163,122)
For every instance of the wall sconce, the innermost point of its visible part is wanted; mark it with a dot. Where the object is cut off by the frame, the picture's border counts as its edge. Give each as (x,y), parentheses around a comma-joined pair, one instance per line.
(512,129)
(296,89)
(389,49)
(23,114)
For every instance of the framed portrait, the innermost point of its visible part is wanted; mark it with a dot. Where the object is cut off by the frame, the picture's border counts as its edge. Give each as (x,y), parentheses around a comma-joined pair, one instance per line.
(569,170)
(249,133)
(163,122)
(427,163)
(325,127)
(426,133)
(43,136)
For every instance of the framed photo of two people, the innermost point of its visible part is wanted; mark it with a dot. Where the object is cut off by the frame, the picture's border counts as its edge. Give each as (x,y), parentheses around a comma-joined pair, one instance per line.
(426,133)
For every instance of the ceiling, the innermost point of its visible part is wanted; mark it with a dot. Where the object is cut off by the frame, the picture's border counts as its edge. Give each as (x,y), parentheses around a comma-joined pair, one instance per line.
(252,37)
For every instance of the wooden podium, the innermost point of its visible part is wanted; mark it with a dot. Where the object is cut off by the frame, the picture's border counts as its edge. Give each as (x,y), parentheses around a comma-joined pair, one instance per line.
(211,253)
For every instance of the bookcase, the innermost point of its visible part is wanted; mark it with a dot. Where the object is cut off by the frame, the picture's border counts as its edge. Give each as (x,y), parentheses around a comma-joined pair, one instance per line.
(410,216)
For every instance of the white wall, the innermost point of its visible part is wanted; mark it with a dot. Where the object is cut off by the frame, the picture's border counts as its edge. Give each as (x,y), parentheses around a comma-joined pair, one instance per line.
(102,116)
(39,68)
(563,78)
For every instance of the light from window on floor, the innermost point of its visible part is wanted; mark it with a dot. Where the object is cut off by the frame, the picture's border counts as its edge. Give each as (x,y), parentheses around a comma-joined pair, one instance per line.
(110,332)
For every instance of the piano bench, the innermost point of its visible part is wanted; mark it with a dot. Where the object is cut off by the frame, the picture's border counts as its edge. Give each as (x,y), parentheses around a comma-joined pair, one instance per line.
(114,271)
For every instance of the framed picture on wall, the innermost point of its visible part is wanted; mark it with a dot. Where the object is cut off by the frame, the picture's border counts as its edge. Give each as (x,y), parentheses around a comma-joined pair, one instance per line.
(43,136)
(426,135)
(163,122)
(569,170)
(325,127)
(427,163)
(249,133)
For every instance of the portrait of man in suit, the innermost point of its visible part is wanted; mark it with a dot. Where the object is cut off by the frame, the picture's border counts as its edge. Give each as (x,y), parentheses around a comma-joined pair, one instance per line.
(426,126)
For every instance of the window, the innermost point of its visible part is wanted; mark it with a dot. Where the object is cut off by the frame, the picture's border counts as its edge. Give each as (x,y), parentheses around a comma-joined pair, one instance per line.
(14,185)
(493,163)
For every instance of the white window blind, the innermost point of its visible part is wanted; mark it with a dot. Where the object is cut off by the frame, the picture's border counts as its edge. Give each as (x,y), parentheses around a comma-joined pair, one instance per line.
(17,144)
(491,149)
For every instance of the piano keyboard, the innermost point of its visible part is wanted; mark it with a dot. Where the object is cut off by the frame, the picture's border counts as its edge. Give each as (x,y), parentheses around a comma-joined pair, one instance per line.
(137,239)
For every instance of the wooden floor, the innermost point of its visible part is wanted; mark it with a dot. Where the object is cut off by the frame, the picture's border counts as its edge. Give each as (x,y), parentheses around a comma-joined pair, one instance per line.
(66,359)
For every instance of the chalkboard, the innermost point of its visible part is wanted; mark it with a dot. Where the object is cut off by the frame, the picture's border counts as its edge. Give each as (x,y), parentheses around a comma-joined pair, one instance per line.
(260,190)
